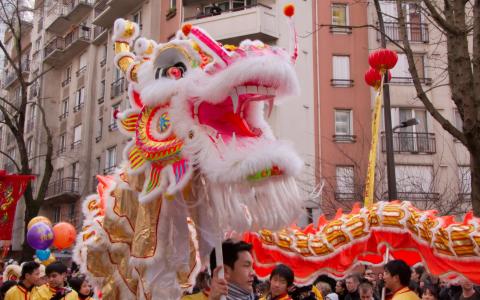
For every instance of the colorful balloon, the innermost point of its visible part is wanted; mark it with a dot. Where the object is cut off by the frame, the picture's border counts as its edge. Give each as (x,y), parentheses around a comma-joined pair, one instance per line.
(40,236)
(65,235)
(39,219)
(50,260)
(43,254)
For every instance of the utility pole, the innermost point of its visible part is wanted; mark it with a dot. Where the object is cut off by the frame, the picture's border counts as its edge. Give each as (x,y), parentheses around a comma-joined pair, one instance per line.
(387,115)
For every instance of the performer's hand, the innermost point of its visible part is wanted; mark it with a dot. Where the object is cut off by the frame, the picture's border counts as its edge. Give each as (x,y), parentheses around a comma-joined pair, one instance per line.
(218,287)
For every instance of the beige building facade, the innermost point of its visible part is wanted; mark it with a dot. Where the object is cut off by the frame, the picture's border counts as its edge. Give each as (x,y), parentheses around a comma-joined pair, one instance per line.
(432,168)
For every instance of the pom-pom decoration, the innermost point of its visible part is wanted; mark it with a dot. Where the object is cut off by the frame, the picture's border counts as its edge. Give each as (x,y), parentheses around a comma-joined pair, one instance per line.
(289,10)
(373,78)
(383,59)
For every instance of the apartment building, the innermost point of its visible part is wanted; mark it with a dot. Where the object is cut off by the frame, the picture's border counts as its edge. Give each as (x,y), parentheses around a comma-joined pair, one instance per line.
(342,101)
(432,168)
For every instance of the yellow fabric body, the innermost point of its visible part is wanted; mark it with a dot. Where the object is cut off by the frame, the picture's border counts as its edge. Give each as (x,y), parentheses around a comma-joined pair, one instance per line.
(17,293)
(197,296)
(405,294)
(45,292)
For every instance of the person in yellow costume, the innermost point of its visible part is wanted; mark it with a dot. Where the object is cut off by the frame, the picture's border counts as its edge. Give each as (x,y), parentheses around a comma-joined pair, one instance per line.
(55,288)
(29,277)
(281,279)
(397,277)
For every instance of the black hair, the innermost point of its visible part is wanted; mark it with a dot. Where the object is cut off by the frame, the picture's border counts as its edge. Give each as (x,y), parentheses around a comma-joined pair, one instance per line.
(419,270)
(6,286)
(284,272)
(57,267)
(230,249)
(434,290)
(400,268)
(28,268)
(76,283)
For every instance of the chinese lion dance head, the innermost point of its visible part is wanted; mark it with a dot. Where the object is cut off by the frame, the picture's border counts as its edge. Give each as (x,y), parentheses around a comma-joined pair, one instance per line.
(202,160)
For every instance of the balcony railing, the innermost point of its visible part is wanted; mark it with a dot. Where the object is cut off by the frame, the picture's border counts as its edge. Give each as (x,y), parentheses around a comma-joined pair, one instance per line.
(81,71)
(76,144)
(99,34)
(412,142)
(416,32)
(63,116)
(113,126)
(409,80)
(63,186)
(418,196)
(59,50)
(78,107)
(341,82)
(344,138)
(240,8)
(109,170)
(61,150)
(342,196)
(100,7)
(340,29)
(12,76)
(118,87)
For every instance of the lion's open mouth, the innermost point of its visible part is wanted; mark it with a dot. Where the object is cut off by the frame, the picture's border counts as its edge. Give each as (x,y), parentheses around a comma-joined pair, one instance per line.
(230,118)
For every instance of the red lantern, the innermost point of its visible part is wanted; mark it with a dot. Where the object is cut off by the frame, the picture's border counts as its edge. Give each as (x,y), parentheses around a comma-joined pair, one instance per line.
(373,78)
(383,59)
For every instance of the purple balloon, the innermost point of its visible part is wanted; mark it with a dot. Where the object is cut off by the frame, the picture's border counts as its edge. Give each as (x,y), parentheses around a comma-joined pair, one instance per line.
(40,236)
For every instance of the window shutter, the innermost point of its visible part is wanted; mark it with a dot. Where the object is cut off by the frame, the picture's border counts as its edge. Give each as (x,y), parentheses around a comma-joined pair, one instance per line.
(341,67)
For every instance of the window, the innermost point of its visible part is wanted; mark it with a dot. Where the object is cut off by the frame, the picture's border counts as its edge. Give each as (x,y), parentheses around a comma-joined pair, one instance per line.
(101,92)
(98,161)
(415,182)
(413,139)
(465,180)
(389,10)
(62,143)
(401,74)
(137,18)
(458,122)
(38,43)
(72,213)
(79,98)
(68,76)
(110,160)
(83,61)
(173,4)
(103,59)
(77,135)
(29,146)
(64,107)
(113,121)
(60,174)
(345,183)
(99,129)
(32,112)
(76,170)
(341,71)
(56,214)
(343,125)
(340,18)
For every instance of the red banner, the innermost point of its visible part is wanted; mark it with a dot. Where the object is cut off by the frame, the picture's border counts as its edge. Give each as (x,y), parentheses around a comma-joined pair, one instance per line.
(12,188)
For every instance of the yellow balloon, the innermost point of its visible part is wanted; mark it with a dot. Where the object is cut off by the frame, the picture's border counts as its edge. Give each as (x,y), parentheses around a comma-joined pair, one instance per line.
(50,260)
(38,220)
